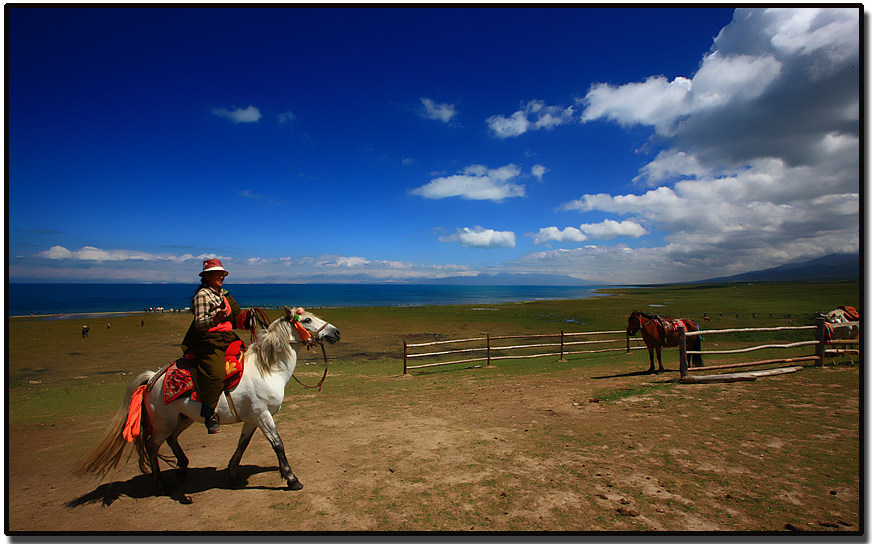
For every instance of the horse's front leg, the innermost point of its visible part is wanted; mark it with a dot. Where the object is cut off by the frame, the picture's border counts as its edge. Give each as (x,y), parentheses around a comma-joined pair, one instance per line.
(248,429)
(268,427)
(659,362)
(651,358)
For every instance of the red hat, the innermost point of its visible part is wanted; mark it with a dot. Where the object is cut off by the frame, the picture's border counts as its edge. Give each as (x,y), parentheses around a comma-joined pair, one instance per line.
(210,265)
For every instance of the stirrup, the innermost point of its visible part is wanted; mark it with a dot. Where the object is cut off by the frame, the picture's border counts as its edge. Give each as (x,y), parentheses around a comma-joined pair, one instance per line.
(212,424)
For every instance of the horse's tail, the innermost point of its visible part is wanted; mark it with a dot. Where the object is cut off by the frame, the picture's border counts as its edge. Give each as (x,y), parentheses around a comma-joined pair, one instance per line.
(108,452)
(696,345)
(696,358)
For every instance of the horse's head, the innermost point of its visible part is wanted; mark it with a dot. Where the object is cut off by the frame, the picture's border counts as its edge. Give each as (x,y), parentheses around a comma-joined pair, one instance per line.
(312,324)
(837,316)
(634,323)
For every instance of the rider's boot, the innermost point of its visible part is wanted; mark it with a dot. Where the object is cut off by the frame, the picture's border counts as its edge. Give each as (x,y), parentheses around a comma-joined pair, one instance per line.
(210,416)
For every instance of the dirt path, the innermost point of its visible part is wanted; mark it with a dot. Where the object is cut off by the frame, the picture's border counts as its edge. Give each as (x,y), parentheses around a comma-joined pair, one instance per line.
(538,453)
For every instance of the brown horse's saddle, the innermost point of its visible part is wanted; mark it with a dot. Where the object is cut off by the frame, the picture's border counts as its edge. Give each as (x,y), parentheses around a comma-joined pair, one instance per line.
(670,328)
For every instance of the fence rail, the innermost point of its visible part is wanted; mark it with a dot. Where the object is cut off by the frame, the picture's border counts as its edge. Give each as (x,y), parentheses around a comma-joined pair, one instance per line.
(491,348)
(820,343)
(494,351)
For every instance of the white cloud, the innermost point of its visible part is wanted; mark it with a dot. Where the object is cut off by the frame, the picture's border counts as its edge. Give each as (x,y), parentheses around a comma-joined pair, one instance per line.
(92,264)
(481,238)
(606,230)
(438,112)
(539,171)
(342,262)
(534,115)
(285,117)
(761,149)
(554,234)
(239,115)
(476,182)
(90,253)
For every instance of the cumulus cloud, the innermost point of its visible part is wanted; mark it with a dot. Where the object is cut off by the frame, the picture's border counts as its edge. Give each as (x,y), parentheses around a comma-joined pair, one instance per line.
(438,112)
(554,234)
(606,230)
(539,171)
(342,262)
(533,115)
(239,115)
(481,238)
(476,182)
(90,253)
(761,148)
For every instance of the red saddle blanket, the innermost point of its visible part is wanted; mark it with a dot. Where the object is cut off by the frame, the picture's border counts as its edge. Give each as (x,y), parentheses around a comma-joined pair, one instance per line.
(178,382)
(851,312)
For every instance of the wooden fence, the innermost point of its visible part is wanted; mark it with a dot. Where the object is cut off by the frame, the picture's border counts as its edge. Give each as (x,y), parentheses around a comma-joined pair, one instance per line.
(820,343)
(489,348)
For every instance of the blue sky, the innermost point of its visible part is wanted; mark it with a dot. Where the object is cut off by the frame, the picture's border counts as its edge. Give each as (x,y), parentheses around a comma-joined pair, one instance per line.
(619,145)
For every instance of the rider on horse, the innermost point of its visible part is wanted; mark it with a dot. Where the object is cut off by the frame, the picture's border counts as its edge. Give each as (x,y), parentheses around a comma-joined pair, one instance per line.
(216,314)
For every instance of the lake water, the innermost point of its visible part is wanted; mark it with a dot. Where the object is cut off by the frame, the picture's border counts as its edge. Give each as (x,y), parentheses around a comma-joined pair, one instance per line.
(42,299)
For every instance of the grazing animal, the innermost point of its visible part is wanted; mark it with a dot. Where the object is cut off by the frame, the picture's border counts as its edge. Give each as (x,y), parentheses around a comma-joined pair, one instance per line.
(658,332)
(269,365)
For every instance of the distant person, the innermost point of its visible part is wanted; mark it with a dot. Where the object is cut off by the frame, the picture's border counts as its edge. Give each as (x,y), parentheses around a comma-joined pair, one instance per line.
(85,331)
(108,325)
(142,324)
(216,314)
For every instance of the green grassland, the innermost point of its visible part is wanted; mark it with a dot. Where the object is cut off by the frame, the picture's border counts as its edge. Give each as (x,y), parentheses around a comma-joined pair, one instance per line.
(48,359)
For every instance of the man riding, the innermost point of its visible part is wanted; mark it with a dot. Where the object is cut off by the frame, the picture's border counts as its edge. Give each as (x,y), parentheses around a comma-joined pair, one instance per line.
(216,314)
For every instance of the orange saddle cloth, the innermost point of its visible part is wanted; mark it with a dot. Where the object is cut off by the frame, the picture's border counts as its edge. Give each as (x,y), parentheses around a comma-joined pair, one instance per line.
(178,382)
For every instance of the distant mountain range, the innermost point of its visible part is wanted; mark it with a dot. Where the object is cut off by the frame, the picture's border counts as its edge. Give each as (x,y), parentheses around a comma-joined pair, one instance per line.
(830,268)
(505,278)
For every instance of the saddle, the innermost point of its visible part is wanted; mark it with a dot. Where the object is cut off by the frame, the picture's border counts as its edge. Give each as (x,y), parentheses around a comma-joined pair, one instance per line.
(178,381)
(851,313)
(669,328)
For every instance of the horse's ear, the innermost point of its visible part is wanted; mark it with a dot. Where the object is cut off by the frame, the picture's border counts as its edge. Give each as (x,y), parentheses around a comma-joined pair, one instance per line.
(288,311)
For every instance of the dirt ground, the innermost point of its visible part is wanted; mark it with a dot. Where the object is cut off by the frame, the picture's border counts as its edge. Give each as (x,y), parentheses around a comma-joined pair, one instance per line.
(475,450)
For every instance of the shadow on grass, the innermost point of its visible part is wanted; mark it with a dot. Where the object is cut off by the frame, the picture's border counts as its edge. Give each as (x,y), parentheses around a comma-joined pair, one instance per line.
(198,480)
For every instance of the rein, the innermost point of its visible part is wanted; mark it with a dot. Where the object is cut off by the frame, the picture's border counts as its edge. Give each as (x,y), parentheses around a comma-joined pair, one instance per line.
(311,341)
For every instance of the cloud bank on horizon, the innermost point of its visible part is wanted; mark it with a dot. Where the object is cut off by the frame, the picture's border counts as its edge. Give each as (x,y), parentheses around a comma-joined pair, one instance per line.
(753,160)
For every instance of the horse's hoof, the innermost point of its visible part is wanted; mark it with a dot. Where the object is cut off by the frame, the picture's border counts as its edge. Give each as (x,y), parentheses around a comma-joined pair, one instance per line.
(295,485)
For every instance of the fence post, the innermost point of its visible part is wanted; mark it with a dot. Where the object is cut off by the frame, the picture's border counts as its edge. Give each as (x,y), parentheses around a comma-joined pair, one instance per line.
(405,357)
(488,350)
(682,352)
(562,357)
(820,350)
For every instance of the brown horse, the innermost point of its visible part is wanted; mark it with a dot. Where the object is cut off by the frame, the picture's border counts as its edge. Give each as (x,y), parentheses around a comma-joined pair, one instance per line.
(658,332)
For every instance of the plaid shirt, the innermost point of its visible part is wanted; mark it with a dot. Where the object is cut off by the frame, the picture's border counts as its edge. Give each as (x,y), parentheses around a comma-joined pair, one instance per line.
(204,306)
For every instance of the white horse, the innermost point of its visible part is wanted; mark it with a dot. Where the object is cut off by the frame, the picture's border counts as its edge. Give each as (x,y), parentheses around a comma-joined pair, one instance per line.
(269,365)
(839,315)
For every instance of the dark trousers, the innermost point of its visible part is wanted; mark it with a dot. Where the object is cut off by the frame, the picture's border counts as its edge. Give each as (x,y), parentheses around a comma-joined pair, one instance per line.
(210,373)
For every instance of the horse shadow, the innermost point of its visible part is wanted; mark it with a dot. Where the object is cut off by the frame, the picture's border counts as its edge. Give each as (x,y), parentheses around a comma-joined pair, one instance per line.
(198,480)
(630,374)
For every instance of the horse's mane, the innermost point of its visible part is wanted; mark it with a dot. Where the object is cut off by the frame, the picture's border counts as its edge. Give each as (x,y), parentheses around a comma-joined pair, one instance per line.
(643,314)
(273,343)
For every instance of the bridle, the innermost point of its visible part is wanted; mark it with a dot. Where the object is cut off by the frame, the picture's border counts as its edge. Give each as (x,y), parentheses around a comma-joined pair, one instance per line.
(642,325)
(642,322)
(313,339)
